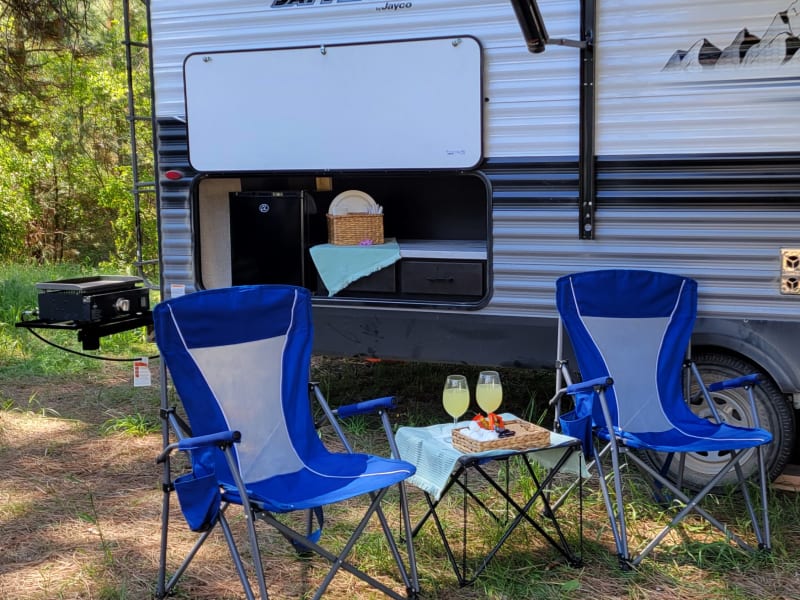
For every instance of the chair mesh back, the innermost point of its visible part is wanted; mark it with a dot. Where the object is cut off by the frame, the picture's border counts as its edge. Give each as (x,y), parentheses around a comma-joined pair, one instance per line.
(239,360)
(635,327)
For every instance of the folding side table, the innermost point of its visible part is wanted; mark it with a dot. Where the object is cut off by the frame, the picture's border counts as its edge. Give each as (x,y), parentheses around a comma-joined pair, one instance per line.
(441,468)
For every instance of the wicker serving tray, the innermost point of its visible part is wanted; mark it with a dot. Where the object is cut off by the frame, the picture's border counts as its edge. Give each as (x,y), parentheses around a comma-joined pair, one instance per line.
(526,435)
(355,229)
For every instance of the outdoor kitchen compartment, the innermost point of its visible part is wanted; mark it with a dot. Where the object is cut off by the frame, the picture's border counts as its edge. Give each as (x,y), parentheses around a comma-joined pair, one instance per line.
(260,227)
(92,299)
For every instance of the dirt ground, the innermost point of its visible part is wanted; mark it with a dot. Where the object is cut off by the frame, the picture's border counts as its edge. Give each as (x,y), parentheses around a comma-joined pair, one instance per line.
(80,506)
(80,516)
(75,504)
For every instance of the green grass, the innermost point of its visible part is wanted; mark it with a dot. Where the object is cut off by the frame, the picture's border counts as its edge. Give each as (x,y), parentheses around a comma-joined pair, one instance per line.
(136,425)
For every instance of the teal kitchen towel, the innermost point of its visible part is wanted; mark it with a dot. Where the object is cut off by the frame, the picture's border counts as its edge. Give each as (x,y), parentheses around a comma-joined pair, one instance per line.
(339,266)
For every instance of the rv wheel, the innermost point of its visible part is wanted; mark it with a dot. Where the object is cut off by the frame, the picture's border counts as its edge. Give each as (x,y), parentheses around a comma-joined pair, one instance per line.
(774,413)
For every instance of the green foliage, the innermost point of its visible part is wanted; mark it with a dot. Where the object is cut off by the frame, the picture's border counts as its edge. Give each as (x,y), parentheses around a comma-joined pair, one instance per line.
(65,165)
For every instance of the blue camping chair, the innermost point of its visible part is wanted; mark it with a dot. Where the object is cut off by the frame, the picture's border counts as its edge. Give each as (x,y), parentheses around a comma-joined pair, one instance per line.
(239,360)
(630,331)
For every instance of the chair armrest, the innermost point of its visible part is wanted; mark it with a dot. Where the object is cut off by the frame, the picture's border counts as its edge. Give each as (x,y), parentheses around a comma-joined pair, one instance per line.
(556,400)
(379,405)
(736,382)
(221,439)
(599,383)
(365,407)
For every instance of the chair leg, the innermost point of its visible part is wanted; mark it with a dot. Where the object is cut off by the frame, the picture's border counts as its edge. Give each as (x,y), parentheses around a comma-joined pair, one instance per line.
(765,539)
(571,488)
(237,559)
(693,504)
(620,530)
(410,579)
(161,589)
(412,585)
(340,560)
(166,590)
(616,515)
(742,483)
(166,483)
(760,526)
(407,574)
(251,533)
(337,561)
(766,542)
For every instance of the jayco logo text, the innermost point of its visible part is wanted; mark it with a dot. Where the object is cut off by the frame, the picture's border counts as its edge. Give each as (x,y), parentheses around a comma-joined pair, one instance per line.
(394,6)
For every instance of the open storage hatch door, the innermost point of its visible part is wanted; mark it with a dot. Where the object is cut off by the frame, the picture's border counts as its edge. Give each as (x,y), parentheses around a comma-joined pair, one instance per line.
(391,105)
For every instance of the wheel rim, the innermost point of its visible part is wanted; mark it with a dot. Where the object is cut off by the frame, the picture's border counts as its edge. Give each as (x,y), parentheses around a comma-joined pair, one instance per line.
(733,409)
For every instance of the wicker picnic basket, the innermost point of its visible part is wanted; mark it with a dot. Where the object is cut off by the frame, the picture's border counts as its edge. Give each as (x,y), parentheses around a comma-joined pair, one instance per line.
(355,229)
(526,435)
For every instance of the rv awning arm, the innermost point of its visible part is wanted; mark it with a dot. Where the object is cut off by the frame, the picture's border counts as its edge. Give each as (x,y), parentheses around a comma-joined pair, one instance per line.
(534,31)
(536,38)
(571,43)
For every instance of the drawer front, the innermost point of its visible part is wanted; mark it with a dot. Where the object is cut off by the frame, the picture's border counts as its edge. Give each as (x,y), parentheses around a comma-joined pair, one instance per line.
(379,281)
(454,278)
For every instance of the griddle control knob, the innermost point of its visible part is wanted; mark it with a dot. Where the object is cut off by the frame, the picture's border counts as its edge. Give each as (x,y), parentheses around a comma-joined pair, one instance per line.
(123,305)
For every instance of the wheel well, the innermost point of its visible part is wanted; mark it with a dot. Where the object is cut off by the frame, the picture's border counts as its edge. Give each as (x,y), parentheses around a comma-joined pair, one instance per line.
(770,368)
(792,397)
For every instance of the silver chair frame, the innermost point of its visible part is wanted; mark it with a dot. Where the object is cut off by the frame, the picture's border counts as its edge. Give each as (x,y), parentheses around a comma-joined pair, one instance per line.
(621,456)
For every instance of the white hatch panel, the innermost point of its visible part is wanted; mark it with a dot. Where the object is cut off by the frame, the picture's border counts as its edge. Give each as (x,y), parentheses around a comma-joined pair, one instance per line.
(393,105)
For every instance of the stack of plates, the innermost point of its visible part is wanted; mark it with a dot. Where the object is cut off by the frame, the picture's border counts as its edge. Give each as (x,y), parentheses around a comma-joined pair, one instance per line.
(354,201)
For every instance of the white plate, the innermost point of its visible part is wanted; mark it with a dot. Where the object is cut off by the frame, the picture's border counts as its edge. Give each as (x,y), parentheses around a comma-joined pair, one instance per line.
(352,201)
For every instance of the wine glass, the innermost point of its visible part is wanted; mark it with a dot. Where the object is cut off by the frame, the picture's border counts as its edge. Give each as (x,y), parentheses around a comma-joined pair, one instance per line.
(489,391)
(455,396)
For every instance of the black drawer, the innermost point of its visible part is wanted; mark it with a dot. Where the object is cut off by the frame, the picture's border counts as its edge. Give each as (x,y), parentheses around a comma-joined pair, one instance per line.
(383,281)
(453,278)
(379,281)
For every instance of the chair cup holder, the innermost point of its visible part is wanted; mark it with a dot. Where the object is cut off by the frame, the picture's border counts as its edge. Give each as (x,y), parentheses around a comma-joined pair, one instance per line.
(199,499)
(578,427)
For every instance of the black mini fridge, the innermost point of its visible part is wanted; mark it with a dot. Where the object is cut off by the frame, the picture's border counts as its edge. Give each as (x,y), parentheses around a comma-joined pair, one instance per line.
(269,237)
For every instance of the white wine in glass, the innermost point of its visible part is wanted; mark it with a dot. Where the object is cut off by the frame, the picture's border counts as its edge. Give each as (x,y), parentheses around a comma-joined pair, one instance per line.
(489,391)
(455,396)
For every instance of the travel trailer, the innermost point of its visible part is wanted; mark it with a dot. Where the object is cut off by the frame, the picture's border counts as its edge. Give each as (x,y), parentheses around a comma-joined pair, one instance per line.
(501,144)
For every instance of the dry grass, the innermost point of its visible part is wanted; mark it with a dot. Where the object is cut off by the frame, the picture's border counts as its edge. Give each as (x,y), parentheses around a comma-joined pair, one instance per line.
(80,518)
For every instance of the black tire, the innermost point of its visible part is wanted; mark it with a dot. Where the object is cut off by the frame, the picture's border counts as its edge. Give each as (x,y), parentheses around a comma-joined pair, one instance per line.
(775,414)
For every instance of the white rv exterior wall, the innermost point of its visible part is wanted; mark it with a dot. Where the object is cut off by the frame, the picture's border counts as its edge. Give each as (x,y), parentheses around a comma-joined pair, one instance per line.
(511,128)
(732,251)
(533,112)
(532,108)
(644,109)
